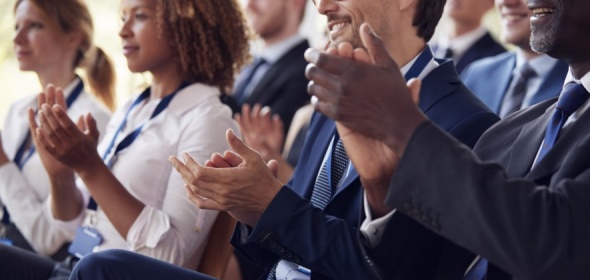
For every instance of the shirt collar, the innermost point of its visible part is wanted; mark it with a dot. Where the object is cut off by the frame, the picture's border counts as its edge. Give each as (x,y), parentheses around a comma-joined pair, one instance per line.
(461,44)
(431,65)
(274,52)
(542,64)
(585,81)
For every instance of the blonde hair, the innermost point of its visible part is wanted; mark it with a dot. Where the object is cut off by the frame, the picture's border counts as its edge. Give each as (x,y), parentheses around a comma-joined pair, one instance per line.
(74,16)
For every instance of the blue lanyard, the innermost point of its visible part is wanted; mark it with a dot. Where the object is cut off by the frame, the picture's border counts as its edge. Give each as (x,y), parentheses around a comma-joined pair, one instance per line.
(420,64)
(18,158)
(130,138)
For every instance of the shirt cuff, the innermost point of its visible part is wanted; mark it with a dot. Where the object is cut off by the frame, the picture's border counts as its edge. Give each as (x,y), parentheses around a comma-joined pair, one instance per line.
(373,229)
(150,227)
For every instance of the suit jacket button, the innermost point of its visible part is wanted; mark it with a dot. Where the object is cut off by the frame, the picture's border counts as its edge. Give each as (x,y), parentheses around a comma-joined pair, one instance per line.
(280,249)
(272,244)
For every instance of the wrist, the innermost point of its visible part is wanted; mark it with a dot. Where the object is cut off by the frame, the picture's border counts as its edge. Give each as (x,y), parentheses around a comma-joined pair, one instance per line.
(376,191)
(399,141)
(90,169)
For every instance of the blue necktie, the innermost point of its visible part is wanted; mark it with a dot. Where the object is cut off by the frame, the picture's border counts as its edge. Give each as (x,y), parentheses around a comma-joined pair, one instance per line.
(517,91)
(571,98)
(248,74)
(324,187)
(478,271)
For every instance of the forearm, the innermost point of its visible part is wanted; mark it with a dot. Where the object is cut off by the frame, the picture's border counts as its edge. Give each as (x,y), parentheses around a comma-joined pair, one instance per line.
(115,201)
(66,203)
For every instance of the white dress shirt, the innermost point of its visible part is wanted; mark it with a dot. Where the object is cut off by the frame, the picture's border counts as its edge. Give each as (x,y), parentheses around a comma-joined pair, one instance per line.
(25,191)
(373,229)
(460,44)
(170,227)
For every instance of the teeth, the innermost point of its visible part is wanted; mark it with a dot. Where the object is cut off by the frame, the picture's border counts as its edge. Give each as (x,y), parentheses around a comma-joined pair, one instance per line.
(339,25)
(543,12)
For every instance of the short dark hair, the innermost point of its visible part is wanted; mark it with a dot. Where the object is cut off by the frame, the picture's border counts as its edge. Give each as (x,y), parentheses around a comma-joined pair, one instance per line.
(428,14)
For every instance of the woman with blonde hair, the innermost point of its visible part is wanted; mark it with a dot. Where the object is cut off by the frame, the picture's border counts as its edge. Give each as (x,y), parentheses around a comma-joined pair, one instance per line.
(54,40)
(128,196)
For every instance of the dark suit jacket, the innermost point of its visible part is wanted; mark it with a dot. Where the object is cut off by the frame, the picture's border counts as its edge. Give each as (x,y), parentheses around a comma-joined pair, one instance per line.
(327,241)
(284,86)
(484,47)
(490,78)
(532,223)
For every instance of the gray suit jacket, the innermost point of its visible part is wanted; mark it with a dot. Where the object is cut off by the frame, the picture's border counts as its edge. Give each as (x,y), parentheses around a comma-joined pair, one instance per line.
(531,223)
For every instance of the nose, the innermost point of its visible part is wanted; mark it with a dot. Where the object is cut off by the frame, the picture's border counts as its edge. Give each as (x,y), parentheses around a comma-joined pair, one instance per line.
(125,31)
(325,6)
(19,36)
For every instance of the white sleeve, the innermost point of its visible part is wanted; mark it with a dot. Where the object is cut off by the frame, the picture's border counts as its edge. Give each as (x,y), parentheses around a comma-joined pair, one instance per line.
(373,229)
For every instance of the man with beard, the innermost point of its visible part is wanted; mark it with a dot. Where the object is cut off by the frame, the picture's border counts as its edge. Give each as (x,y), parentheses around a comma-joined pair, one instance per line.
(521,199)
(523,77)
(308,228)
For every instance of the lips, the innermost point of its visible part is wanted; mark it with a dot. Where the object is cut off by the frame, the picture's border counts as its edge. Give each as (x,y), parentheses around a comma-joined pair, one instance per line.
(21,54)
(129,49)
(335,26)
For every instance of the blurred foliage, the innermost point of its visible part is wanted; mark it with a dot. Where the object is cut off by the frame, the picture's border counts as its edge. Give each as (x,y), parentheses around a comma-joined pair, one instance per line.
(6,29)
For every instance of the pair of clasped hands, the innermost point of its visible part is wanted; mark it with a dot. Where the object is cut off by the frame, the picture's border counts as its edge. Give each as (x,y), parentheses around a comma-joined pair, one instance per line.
(375,113)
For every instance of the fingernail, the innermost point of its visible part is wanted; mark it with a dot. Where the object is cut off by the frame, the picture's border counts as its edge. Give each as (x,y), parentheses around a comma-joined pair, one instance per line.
(311,55)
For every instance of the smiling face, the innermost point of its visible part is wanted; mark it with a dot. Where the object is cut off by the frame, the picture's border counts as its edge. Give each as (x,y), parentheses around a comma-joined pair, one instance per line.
(468,11)
(515,19)
(559,27)
(38,42)
(346,16)
(143,46)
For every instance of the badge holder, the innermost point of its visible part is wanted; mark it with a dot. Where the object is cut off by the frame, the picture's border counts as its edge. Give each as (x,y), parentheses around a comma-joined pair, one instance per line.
(87,237)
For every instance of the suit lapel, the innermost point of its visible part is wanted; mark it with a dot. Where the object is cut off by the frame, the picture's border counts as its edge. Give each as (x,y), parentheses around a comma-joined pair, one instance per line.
(275,71)
(566,144)
(439,83)
(526,146)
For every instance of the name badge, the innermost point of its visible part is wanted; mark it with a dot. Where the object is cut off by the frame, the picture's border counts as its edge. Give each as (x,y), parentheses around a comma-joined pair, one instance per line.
(86,239)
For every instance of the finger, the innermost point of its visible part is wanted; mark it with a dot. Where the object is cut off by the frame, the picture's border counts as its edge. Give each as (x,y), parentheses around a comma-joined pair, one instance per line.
(81,123)
(51,128)
(264,119)
(219,161)
(324,108)
(33,125)
(92,127)
(320,76)
(42,99)
(42,141)
(50,94)
(240,148)
(245,118)
(332,63)
(65,123)
(182,169)
(414,85)
(232,158)
(362,55)
(376,48)
(60,98)
(273,165)
(320,92)
(277,124)
(201,202)
(345,49)
(209,163)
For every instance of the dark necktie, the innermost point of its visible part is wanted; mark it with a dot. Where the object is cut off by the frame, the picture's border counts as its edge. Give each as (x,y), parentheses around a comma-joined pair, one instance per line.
(517,90)
(324,188)
(449,53)
(240,89)
(571,99)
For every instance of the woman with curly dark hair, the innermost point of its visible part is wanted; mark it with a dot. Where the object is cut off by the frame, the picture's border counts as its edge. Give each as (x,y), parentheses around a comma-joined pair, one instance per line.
(127,195)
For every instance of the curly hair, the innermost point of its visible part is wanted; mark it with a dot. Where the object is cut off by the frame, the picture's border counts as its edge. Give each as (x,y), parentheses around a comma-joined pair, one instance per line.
(210,38)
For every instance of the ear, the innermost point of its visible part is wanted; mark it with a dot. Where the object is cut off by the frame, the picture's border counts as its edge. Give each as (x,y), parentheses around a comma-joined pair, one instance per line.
(73,39)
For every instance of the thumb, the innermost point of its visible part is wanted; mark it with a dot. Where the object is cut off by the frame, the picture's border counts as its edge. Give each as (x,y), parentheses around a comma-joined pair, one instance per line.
(414,85)
(376,47)
(273,165)
(238,146)
(91,126)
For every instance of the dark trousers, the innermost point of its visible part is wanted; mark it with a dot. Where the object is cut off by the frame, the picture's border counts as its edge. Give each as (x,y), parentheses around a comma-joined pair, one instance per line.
(121,264)
(20,264)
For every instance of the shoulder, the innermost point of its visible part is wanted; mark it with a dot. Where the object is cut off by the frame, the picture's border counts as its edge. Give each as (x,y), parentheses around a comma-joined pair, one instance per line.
(490,63)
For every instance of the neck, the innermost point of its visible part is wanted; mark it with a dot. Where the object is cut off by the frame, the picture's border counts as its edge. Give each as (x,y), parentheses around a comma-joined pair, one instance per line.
(529,54)
(165,83)
(280,36)
(460,29)
(404,52)
(58,76)
(580,69)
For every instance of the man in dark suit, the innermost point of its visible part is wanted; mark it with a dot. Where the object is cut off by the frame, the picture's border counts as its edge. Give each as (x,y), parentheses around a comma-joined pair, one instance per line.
(465,40)
(276,76)
(521,78)
(521,199)
(309,226)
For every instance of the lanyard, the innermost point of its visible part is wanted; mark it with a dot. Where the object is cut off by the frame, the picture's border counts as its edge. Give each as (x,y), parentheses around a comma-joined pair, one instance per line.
(18,158)
(420,64)
(130,138)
